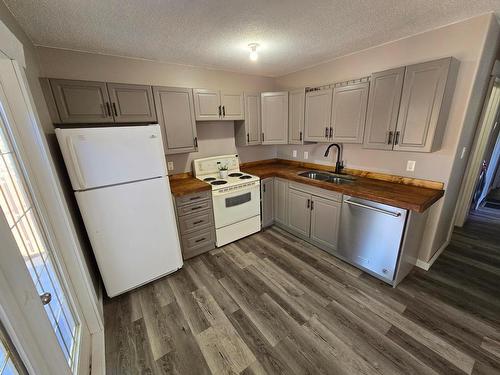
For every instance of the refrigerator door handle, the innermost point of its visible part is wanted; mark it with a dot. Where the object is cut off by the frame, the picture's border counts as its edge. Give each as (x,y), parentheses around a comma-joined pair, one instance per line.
(76,164)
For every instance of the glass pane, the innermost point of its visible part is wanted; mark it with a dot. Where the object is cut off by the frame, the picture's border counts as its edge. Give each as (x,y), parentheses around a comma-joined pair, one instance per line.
(23,219)
(10,369)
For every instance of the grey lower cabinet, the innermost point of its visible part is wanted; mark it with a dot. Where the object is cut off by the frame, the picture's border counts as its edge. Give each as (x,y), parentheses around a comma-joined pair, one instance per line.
(248,131)
(280,201)
(314,214)
(176,117)
(296,113)
(195,219)
(91,102)
(266,201)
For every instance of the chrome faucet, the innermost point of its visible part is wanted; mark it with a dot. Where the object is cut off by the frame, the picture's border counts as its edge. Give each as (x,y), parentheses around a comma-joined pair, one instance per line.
(339,164)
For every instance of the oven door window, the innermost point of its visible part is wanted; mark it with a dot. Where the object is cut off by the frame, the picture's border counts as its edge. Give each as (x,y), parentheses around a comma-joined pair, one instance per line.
(239,199)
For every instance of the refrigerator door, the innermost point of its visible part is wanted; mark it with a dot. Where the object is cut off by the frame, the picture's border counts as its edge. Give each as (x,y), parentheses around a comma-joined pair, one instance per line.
(96,157)
(133,232)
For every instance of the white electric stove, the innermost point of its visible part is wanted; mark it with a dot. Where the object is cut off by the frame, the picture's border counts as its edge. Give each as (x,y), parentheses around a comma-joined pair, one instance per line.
(236,197)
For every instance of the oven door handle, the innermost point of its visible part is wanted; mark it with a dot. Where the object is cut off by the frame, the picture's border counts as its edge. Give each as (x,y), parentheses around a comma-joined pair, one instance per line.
(216,193)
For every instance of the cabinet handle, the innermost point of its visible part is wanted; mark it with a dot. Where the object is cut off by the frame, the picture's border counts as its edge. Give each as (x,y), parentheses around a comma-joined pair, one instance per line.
(220,111)
(262,136)
(196,208)
(114,109)
(326,132)
(248,137)
(223,111)
(194,198)
(308,203)
(195,141)
(263,188)
(396,139)
(300,136)
(331,132)
(198,222)
(108,109)
(312,205)
(389,140)
(200,239)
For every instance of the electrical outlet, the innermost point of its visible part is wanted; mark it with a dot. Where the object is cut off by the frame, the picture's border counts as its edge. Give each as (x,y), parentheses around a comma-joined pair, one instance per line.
(170,165)
(410,165)
(306,155)
(294,153)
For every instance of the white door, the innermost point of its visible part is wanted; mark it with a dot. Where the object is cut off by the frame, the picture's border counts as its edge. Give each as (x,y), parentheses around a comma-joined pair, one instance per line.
(232,105)
(33,253)
(274,107)
(318,115)
(108,156)
(207,105)
(144,211)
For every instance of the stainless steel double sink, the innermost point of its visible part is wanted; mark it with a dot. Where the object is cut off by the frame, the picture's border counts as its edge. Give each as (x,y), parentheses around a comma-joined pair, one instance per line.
(333,178)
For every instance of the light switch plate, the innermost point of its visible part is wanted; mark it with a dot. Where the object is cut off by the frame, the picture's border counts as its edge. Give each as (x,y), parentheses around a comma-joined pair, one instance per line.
(306,155)
(170,165)
(294,153)
(410,165)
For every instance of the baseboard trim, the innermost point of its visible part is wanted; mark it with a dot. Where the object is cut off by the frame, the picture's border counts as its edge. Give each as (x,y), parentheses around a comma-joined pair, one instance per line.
(427,265)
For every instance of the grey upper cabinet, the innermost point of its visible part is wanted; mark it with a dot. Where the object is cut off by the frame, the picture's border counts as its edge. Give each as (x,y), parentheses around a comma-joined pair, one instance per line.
(349,113)
(299,211)
(131,103)
(207,105)
(383,107)
(248,132)
(176,118)
(280,201)
(318,111)
(218,105)
(81,101)
(425,101)
(325,219)
(274,106)
(296,113)
(232,104)
(267,197)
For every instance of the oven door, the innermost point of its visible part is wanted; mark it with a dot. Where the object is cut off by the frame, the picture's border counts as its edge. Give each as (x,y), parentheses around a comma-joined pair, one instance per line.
(236,205)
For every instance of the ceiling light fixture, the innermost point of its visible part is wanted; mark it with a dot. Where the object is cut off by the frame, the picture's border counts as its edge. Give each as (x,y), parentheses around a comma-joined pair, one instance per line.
(253,51)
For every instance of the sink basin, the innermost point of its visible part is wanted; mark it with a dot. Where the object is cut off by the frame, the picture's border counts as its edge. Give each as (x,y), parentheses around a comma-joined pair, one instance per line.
(333,178)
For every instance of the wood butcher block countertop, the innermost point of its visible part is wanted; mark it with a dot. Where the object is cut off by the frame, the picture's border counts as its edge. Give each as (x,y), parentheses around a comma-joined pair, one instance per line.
(409,197)
(403,193)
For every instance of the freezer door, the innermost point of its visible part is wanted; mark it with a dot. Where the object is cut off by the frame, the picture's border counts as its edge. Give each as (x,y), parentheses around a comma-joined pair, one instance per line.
(133,232)
(98,157)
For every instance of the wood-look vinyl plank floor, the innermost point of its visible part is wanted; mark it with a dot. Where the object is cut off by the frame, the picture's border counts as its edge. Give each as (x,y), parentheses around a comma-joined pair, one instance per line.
(274,304)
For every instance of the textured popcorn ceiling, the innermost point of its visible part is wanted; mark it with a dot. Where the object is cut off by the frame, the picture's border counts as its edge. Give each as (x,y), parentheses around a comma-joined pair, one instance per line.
(294,34)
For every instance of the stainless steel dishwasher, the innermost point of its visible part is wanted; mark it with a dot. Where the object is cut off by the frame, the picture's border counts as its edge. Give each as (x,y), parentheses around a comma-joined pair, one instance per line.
(370,235)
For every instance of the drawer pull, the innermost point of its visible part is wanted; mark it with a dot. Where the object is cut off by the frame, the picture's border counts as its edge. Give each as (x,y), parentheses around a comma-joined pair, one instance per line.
(194,198)
(196,208)
(200,239)
(198,222)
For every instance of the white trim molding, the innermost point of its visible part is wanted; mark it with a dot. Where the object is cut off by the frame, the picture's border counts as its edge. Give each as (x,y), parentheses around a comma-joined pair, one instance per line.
(11,46)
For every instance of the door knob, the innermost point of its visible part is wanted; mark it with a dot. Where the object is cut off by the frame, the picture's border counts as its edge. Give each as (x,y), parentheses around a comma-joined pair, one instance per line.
(46,298)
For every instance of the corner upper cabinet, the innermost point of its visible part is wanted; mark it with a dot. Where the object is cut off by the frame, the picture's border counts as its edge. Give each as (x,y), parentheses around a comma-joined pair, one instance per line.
(176,118)
(274,107)
(81,101)
(131,103)
(349,113)
(383,107)
(296,112)
(248,131)
(425,102)
(213,105)
(318,111)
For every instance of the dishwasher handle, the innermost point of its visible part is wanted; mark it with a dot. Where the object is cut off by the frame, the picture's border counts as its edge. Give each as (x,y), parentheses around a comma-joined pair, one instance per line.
(391,213)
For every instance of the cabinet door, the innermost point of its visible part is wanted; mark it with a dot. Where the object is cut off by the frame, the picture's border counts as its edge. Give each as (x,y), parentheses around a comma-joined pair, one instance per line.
(296,109)
(299,211)
(132,103)
(325,218)
(81,101)
(232,105)
(318,114)
(274,118)
(252,118)
(349,112)
(280,202)
(176,119)
(207,105)
(421,105)
(383,107)
(267,197)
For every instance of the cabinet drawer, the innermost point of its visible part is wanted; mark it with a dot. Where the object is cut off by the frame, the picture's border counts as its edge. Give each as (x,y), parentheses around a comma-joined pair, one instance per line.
(324,193)
(198,243)
(192,198)
(196,221)
(194,207)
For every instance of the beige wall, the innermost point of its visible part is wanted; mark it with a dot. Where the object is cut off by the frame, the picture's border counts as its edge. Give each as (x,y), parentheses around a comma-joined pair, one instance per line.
(213,137)
(465,41)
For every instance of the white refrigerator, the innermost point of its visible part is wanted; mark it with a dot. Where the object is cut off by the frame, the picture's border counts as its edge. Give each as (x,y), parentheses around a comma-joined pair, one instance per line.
(120,182)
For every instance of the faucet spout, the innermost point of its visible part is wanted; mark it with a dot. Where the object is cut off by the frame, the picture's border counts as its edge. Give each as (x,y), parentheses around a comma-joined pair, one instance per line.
(338,164)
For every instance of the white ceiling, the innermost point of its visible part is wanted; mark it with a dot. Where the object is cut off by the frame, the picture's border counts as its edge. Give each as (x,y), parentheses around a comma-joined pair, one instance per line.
(294,34)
